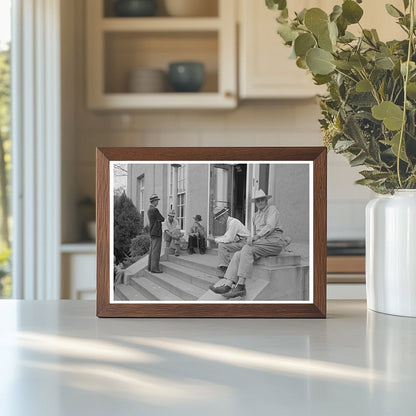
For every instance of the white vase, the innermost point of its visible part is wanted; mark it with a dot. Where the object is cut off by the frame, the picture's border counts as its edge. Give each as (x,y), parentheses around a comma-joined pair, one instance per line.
(391,253)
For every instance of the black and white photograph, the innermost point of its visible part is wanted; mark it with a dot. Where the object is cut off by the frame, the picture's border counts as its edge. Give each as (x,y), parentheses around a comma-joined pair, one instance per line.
(206,232)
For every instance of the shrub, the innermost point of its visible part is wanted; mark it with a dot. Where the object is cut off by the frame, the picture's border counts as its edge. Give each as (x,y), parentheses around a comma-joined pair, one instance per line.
(139,245)
(127,224)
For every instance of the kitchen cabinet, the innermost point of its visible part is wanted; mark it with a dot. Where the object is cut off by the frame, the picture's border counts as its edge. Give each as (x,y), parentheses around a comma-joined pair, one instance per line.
(78,262)
(118,45)
(265,70)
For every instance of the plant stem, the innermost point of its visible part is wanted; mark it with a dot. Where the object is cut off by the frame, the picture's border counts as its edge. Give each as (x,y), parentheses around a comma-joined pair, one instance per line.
(405,81)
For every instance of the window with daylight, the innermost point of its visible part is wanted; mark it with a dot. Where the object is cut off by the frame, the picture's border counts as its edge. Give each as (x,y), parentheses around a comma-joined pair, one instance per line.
(5,147)
(181,198)
(140,194)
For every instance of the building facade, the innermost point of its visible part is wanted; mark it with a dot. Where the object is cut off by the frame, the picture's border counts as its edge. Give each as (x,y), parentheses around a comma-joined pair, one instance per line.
(196,188)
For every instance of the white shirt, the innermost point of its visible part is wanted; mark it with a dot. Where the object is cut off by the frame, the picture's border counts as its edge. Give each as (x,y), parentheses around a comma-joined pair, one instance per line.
(234,228)
(266,220)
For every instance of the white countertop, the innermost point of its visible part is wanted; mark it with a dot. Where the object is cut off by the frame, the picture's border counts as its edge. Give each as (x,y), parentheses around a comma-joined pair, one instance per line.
(57,358)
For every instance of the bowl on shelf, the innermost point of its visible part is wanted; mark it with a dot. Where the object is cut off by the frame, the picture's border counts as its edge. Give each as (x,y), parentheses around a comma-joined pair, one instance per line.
(135,8)
(186,76)
(147,80)
(191,8)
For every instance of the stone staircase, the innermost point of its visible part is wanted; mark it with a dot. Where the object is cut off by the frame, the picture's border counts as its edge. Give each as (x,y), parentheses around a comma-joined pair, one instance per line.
(188,277)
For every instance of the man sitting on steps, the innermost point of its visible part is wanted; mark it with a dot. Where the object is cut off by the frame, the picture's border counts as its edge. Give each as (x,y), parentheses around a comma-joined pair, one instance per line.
(233,240)
(268,240)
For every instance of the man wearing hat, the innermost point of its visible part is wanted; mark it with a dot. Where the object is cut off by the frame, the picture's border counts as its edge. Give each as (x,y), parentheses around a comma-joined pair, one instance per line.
(233,240)
(197,237)
(268,240)
(172,232)
(155,229)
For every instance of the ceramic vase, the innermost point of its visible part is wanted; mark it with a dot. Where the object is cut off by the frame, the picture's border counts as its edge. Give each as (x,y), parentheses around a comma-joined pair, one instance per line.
(391,253)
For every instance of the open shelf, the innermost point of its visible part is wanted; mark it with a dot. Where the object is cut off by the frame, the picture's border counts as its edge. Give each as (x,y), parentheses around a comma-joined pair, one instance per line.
(118,45)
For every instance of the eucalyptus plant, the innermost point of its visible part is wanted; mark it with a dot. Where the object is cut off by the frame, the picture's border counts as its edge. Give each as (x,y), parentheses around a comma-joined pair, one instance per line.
(369,111)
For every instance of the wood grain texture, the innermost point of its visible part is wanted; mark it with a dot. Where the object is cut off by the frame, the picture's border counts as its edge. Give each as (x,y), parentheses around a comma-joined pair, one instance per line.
(317,309)
(346,264)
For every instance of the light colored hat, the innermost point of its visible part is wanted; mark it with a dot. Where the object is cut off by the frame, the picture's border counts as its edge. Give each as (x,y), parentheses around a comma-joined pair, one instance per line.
(219,211)
(260,194)
(171,213)
(154,197)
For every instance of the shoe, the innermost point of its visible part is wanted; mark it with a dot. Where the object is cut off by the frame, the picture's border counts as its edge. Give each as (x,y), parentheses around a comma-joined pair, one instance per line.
(239,290)
(156,271)
(220,289)
(177,254)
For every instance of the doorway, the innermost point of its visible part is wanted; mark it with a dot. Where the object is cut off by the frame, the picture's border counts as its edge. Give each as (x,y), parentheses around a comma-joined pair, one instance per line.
(228,185)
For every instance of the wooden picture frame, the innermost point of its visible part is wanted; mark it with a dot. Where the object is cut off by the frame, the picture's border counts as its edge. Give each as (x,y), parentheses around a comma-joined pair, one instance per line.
(213,176)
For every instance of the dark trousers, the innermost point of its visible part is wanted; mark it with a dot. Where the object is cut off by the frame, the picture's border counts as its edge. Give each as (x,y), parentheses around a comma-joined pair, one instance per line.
(195,242)
(154,253)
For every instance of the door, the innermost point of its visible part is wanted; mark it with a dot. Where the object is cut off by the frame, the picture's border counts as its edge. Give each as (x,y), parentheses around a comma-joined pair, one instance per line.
(228,185)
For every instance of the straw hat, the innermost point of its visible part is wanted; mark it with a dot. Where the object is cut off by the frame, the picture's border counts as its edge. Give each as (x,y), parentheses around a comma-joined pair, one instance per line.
(260,194)
(154,197)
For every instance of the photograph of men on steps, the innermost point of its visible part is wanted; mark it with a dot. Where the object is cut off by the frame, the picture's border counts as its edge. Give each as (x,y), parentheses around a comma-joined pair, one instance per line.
(212,232)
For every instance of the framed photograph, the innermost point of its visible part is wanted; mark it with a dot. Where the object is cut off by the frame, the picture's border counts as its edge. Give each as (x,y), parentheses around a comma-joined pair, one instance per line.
(211,232)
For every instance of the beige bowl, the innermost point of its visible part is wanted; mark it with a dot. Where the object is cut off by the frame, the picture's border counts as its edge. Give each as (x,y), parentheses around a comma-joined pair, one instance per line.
(191,8)
(147,80)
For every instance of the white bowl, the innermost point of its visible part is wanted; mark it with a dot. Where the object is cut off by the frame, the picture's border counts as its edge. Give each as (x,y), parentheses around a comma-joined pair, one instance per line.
(147,80)
(191,8)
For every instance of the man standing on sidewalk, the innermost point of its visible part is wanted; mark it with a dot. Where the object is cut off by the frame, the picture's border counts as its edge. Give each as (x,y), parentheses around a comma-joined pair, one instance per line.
(155,229)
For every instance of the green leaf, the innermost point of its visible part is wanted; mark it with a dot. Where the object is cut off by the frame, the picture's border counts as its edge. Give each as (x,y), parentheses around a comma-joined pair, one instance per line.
(301,63)
(345,65)
(336,12)
(321,79)
(391,114)
(375,35)
(384,62)
(363,86)
(276,4)
(393,11)
(301,15)
(319,61)
(316,20)
(358,61)
(406,4)
(351,11)
(358,160)
(411,90)
(394,145)
(303,43)
(287,33)
(325,42)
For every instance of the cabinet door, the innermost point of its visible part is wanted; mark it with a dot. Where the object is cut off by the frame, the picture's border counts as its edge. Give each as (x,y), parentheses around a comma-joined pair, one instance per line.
(266,71)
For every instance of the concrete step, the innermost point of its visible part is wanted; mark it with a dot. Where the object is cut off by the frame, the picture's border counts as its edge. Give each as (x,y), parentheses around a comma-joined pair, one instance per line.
(152,290)
(195,277)
(205,263)
(185,290)
(253,287)
(126,292)
(284,259)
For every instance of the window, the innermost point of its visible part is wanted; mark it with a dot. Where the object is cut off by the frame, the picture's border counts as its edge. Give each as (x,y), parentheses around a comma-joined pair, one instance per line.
(177,192)
(5,145)
(140,195)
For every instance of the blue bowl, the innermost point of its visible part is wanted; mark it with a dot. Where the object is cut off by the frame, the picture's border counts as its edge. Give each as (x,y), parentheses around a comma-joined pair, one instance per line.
(186,76)
(135,8)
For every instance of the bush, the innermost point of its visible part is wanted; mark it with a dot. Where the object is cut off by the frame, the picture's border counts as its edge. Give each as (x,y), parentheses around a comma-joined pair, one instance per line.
(140,245)
(127,225)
